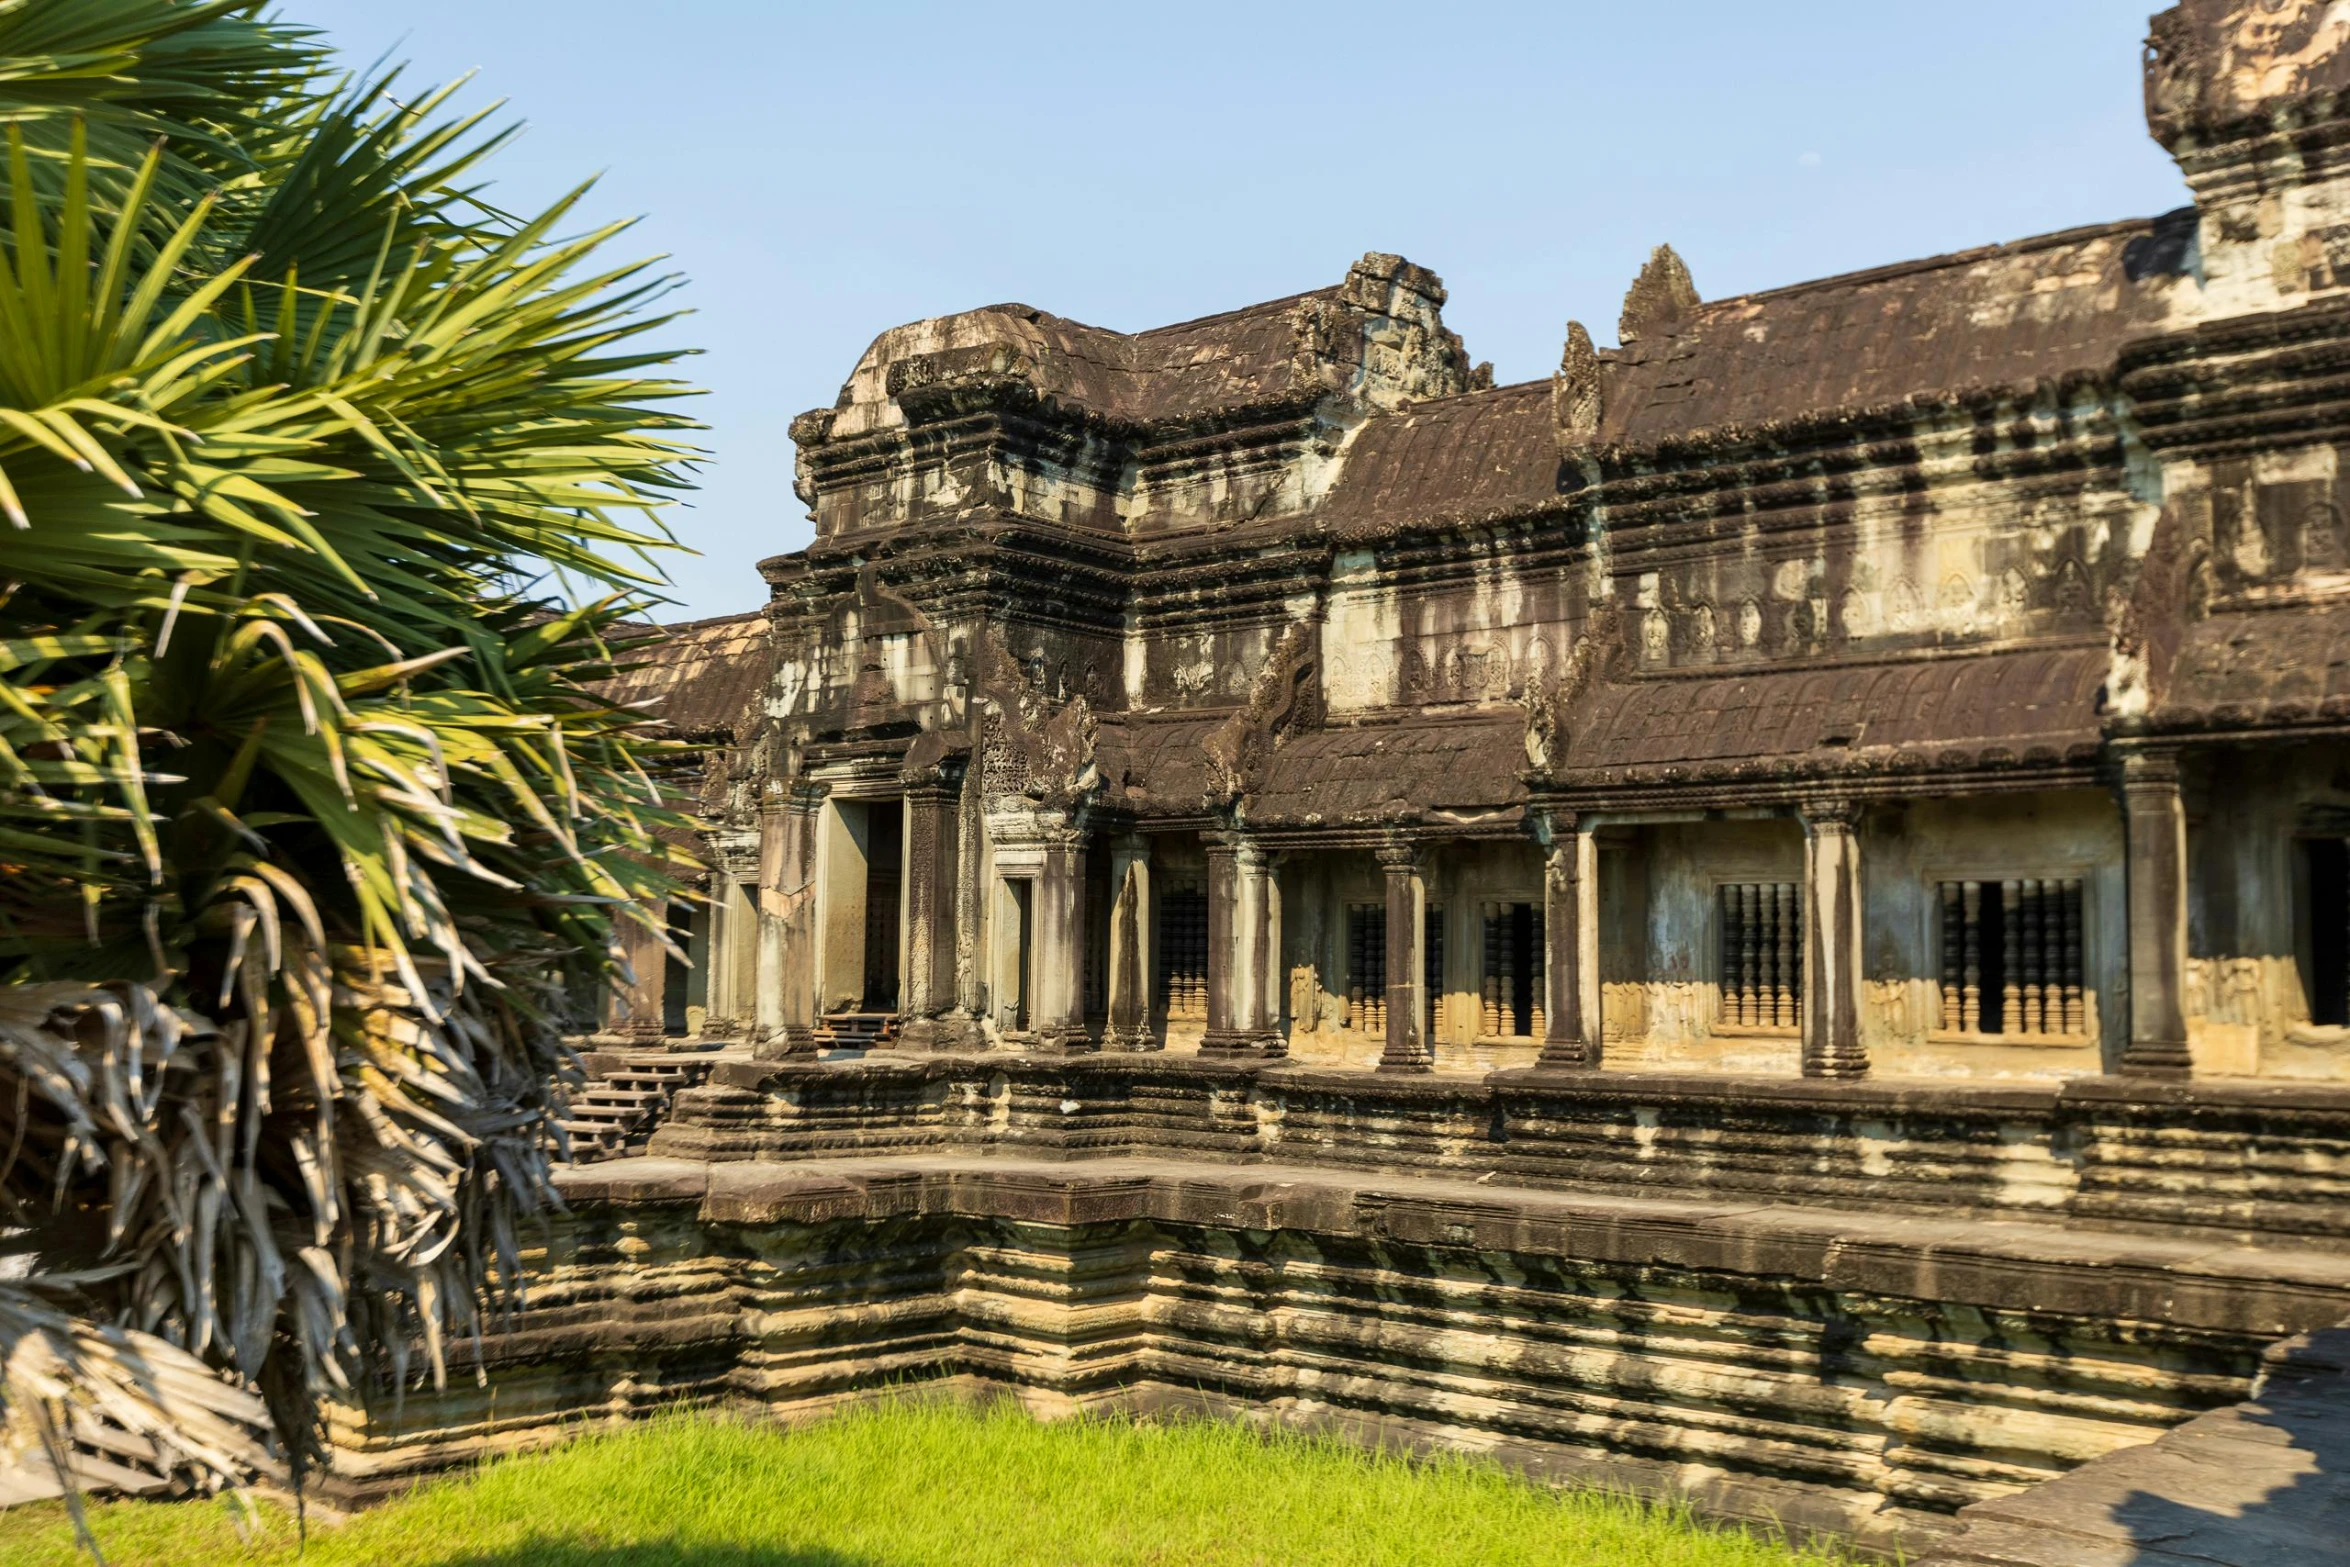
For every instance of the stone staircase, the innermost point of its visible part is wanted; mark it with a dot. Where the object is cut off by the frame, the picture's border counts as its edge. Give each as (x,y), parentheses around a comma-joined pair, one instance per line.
(626,1096)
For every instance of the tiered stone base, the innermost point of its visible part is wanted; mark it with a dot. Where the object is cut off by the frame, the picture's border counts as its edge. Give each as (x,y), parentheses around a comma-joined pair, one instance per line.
(1839,1369)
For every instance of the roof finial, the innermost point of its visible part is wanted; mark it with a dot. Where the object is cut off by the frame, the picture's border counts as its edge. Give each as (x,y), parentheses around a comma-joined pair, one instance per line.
(1661,295)
(1575,393)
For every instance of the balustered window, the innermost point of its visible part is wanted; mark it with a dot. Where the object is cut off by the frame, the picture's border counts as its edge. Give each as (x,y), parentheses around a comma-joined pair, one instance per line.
(1512,1000)
(1762,954)
(1432,968)
(1182,980)
(2012,958)
(1366,967)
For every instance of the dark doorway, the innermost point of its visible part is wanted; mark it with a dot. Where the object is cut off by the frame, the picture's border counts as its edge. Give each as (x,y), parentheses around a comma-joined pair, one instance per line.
(2329,930)
(676,975)
(884,873)
(1021,906)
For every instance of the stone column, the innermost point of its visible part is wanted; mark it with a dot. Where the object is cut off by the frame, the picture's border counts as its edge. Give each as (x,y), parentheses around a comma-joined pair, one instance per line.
(1832,941)
(2156,822)
(633,1003)
(1407,1026)
(718,976)
(1130,977)
(787,927)
(927,988)
(742,955)
(1057,1002)
(1244,947)
(1570,932)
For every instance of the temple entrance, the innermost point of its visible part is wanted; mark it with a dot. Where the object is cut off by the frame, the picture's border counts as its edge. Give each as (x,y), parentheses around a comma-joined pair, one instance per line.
(1023,948)
(884,880)
(676,973)
(860,896)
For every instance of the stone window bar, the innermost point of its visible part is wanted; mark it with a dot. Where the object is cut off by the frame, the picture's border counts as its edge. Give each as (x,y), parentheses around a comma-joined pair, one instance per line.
(1762,954)
(1513,977)
(1432,967)
(1366,967)
(1183,953)
(2012,957)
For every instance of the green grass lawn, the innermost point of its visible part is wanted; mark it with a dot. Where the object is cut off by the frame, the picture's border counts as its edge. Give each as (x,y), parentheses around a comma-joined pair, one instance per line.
(913,1483)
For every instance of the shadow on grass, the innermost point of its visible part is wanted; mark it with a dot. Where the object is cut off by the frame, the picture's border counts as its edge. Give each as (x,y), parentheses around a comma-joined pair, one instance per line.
(648,1553)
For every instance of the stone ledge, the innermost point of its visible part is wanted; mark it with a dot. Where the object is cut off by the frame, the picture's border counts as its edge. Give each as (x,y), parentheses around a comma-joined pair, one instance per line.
(2264,1483)
(1871,1093)
(2214,1158)
(2212,1284)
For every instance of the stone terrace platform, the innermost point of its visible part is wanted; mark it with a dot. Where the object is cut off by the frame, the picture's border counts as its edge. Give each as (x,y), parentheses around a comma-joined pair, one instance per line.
(2265,1483)
(1833,1366)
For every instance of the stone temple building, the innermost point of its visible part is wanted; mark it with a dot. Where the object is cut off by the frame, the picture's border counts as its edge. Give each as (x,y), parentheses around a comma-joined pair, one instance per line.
(1933,671)
(1766,916)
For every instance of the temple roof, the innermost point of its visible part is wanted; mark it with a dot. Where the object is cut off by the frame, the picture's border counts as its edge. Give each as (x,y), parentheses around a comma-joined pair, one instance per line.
(702,680)
(1393,772)
(2002,316)
(1347,774)
(2035,705)
(2263,668)
(1301,345)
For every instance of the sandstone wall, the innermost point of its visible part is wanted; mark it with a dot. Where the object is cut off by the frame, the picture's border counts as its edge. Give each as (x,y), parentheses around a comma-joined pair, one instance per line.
(1835,1370)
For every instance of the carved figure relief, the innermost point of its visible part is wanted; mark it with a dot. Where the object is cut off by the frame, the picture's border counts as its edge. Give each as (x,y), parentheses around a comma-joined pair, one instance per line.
(1032,746)
(1418,681)
(1656,637)
(2251,553)
(2323,547)
(1284,698)
(1859,619)
(1701,631)
(1749,623)
(1903,608)
(2069,588)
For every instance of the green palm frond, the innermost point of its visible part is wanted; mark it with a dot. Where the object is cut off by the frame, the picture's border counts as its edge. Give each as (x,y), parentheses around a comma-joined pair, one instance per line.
(294,763)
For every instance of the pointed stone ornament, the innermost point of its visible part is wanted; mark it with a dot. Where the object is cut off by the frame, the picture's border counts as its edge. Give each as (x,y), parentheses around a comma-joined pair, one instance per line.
(1661,295)
(1575,393)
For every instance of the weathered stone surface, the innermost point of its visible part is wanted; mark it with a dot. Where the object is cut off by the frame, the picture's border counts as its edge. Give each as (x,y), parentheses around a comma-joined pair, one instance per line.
(1834,812)
(2255,1158)
(1860,1371)
(2264,1483)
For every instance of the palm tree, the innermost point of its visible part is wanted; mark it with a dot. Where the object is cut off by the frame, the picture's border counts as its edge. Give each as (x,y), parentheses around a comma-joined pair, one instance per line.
(311,822)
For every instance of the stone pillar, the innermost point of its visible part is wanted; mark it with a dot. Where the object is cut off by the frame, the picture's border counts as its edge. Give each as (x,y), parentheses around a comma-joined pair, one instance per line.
(787,927)
(2156,822)
(1244,949)
(633,1003)
(1570,932)
(1057,972)
(1832,941)
(1407,1025)
(742,956)
(718,975)
(927,988)
(723,998)
(1130,947)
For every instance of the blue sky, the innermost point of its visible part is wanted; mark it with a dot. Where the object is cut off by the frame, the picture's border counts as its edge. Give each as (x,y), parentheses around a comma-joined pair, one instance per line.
(822,172)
